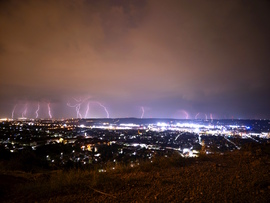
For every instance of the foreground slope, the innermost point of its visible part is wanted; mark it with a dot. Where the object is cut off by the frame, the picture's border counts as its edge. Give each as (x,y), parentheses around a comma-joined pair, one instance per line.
(240,176)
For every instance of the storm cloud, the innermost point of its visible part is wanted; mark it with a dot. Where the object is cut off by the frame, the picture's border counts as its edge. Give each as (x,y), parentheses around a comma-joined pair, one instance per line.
(172,56)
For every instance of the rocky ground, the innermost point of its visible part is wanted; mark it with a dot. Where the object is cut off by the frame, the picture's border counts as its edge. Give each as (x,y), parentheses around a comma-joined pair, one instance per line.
(240,176)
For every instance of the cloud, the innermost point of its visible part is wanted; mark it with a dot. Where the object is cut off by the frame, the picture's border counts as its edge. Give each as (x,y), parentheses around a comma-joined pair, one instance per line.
(169,55)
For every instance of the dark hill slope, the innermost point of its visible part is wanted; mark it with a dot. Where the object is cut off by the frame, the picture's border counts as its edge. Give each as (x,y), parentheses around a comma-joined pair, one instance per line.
(240,176)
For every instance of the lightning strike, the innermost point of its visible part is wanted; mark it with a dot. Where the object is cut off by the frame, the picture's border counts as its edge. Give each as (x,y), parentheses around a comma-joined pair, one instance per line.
(206,118)
(186,114)
(105,109)
(13,111)
(196,117)
(37,110)
(87,110)
(49,110)
(77,100)
(72,106)
(25,111)
(142,108)
(79,115)
(77,106)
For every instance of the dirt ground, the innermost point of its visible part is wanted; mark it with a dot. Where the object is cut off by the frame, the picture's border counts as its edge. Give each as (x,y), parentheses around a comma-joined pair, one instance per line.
(235,177)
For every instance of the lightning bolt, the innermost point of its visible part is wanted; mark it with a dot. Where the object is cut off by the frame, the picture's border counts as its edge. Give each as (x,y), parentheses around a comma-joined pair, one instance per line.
(77,106)
(205,117)
(79,115)
(142,112)
(49,110)
(211,116)
(77,100)
(186,114)
(13,111)
(69,105)
(196,117)
(25,111)
(72,106)
(87,110)
(105,109)
(37,110)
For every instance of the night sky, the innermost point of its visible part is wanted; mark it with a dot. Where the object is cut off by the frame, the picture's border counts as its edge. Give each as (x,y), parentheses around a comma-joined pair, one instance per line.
(172,59)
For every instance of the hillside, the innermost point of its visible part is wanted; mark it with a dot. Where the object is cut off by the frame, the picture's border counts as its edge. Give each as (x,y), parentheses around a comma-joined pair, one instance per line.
(239,176)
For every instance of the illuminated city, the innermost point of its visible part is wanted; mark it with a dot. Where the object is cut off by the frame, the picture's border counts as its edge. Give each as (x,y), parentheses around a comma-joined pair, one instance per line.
(131,136)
